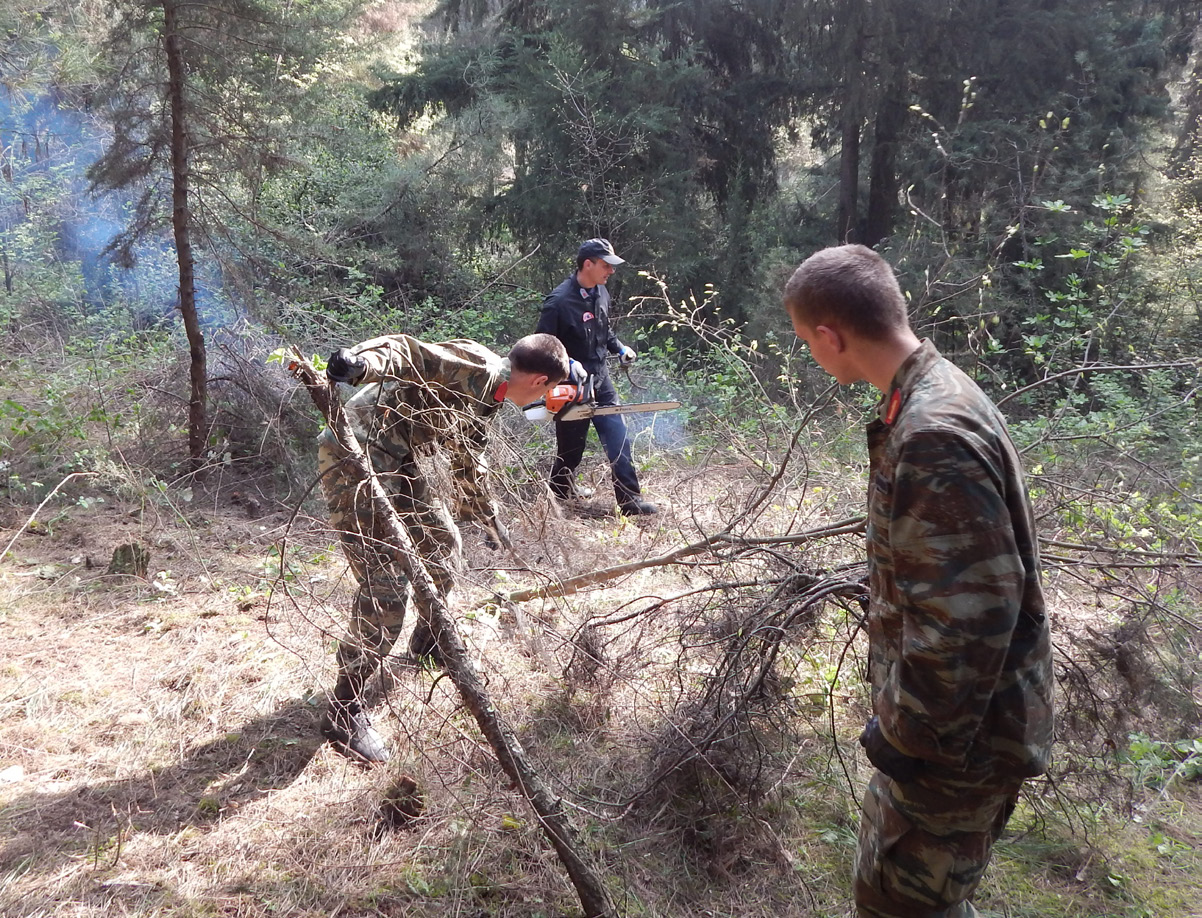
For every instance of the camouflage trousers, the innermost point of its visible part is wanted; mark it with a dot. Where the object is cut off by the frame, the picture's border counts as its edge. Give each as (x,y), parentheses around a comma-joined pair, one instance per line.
(922,850)
(378,611)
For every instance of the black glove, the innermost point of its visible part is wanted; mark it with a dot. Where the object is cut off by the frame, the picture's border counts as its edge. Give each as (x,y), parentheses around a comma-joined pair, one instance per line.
(344,366)
(886,757)
(585,391)
(496,534)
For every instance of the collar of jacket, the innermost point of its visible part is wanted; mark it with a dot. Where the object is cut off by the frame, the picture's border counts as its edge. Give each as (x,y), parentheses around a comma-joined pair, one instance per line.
(498,394)
(912,368)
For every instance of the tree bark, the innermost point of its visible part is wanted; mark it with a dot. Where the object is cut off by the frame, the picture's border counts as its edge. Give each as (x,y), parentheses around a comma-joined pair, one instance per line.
(1187,135)
(549,809)
(849,177)
(181,223)
(882,188)
(851,116)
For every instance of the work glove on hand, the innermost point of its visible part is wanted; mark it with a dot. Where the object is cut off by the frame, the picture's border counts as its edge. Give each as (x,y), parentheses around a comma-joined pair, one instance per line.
(885,756)
(577,374)
(627,356)
(584,391)
(344,366)
(496,535)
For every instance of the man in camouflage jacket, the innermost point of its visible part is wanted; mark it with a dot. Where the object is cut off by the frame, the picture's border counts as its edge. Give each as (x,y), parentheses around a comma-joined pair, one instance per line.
(959,645)
(413,397)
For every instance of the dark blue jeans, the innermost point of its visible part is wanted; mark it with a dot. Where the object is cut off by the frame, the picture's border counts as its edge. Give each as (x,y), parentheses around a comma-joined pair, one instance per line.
(570,439)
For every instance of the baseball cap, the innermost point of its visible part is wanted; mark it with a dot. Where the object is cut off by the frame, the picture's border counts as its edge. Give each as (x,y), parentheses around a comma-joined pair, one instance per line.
(599,248)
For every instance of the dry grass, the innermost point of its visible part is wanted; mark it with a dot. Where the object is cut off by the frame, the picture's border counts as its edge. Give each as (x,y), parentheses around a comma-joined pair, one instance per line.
(159,753)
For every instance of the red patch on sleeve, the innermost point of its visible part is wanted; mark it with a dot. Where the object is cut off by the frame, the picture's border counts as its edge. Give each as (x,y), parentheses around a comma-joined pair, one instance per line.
(499,395)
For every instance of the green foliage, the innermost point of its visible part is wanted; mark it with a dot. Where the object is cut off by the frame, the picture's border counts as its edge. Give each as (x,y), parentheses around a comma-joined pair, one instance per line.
(637,129)
(1155,763)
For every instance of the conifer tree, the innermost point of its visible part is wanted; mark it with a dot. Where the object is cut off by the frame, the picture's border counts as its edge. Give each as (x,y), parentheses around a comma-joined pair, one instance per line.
(200,94)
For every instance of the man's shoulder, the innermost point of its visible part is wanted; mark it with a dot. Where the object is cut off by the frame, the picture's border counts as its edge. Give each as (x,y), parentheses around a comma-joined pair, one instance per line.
(946,392)
(566,292)
(948,419)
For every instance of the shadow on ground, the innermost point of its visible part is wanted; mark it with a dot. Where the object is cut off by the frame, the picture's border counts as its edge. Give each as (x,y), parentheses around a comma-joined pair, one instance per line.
(212,780)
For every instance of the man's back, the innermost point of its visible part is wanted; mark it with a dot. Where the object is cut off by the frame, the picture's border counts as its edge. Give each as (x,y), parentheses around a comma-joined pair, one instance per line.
(959,639)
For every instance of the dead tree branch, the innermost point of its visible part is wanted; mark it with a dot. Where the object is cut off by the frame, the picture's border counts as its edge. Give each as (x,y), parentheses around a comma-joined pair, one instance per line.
(725,539)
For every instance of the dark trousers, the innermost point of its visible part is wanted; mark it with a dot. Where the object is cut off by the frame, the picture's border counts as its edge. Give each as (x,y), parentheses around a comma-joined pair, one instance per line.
(570,439)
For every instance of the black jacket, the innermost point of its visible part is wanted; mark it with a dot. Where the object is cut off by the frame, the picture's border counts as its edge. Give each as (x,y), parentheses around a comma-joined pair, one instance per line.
(580,319)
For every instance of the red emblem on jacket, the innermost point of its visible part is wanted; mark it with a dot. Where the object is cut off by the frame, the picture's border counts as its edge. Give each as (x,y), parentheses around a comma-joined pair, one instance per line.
(894,406)
(588,317)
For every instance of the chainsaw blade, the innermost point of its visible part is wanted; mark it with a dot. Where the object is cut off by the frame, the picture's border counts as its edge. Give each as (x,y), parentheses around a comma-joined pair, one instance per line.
(584,412)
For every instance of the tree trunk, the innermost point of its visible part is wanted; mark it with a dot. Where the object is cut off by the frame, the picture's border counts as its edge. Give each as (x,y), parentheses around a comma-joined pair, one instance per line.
(851,117)
(882,189)
(181,222)
(849,177)
(1187,137)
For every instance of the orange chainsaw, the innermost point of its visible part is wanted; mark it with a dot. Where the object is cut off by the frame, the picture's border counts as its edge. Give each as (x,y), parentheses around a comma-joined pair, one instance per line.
(575,403)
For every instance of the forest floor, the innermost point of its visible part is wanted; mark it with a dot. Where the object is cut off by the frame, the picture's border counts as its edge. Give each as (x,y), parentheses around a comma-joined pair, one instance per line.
(159,752)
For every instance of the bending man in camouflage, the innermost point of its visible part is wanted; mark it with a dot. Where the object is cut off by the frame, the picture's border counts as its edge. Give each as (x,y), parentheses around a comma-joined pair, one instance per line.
(959,649)
(414,396)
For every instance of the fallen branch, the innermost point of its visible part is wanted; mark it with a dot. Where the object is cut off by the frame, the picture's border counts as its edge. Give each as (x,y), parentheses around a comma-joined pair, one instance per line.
(512,757)
(711,543)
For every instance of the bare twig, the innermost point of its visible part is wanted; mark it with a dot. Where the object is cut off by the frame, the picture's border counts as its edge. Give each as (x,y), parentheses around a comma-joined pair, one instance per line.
(1100,368)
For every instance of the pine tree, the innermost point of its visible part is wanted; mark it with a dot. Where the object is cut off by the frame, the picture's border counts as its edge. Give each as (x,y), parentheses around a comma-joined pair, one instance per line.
(200,93)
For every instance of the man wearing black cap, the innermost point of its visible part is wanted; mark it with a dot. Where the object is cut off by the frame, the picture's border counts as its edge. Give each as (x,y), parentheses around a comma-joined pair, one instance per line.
(577,313)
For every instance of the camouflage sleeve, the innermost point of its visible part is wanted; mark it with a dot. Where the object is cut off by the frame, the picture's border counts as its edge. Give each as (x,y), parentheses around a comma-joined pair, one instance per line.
(393,357)
(469,466)
(959,585)
(455,368)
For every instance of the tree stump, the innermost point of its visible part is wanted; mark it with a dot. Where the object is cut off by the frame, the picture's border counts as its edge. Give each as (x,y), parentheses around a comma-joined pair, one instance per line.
(130,558)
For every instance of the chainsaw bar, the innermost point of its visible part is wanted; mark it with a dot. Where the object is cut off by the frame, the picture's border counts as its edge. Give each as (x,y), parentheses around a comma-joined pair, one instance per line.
(583,412)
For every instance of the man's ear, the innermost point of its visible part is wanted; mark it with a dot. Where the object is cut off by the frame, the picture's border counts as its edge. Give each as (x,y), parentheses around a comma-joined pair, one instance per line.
(832,337)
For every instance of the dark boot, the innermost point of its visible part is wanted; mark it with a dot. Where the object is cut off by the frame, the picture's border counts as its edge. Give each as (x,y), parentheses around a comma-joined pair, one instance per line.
(634,505)
(423,645)
(351,734)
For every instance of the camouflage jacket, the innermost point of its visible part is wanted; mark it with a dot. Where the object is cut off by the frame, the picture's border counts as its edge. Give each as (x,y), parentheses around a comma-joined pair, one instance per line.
(416,395)
(959,645)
